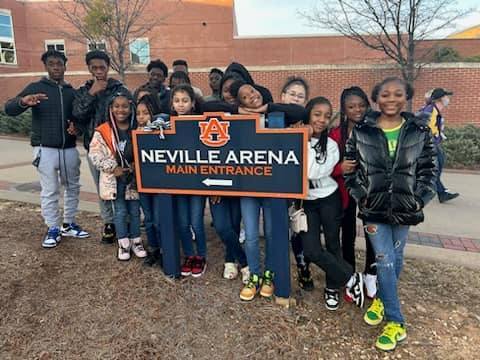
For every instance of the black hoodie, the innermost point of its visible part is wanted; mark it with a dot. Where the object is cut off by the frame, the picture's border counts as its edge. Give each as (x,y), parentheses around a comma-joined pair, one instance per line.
(90,110)
(50,117)
(242,71)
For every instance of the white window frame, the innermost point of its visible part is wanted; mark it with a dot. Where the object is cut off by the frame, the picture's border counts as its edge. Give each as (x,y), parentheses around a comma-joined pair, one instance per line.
(56,42)
(96,42)
(129,50)
(9,40)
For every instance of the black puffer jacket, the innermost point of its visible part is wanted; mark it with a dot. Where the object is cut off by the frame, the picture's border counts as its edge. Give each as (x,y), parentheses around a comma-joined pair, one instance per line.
(392,192)
(50,117)
(91,111)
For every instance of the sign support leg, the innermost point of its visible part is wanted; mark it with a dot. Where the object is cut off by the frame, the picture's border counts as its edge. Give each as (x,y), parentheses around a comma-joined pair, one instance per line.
(170,243)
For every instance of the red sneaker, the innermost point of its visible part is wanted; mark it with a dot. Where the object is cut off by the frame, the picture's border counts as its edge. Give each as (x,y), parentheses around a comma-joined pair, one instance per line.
(187,266)
(199,266)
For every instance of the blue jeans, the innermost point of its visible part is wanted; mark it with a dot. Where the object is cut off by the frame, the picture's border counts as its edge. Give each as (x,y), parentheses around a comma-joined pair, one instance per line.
(226,217)
(388,242)
(126,214)
(251,214)
(151,207)
(441,162)
(190,210)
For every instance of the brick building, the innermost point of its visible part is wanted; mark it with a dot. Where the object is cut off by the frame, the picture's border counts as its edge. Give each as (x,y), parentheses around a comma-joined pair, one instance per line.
(204,33)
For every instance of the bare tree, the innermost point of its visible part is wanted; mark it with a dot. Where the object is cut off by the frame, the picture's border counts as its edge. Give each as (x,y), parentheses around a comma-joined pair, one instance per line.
(115,22)
(395,27)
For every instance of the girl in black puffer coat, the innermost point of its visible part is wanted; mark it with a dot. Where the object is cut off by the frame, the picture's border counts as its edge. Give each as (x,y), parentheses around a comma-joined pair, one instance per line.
(394,180)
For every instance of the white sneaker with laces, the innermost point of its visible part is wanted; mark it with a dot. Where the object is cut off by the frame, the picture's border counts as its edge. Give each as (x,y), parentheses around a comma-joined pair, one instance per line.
(370,285)
(124,247)
(137,248)
(245,274)
(230,271)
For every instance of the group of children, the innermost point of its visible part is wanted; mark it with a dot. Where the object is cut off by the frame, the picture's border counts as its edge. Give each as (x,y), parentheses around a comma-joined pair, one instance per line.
(380,162)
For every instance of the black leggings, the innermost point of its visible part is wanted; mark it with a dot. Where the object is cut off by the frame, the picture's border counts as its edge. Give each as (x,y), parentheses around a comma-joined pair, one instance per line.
(326,213)
(349,233)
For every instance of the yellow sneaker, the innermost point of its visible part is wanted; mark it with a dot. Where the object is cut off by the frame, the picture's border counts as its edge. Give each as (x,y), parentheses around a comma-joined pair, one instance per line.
(250,289)
(374,315)
(392,334)
(267,284)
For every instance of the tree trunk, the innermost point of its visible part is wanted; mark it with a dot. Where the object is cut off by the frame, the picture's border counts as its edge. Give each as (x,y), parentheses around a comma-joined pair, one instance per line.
(121,62)
(410,69)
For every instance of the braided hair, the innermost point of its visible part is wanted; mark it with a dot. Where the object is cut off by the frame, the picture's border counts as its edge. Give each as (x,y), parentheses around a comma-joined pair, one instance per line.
(351,91)
(321,146)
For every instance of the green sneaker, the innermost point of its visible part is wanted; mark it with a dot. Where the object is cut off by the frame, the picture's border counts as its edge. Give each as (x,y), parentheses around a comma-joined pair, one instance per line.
(267,284)
(374,315)
(392,334)
(251,288)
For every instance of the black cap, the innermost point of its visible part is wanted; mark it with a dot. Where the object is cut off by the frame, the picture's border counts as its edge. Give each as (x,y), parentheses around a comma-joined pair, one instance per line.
(439,93)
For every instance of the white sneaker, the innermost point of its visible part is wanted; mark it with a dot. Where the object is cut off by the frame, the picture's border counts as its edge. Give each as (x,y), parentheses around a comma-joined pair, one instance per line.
(124,247)
(137,248)
(371,285)
(230,271)
(245,274)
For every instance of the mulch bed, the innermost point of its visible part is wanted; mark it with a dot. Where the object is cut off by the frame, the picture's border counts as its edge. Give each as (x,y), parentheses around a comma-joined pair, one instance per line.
(78,302)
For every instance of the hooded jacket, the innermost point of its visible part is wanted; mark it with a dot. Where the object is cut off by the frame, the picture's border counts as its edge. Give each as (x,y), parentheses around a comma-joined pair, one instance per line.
(105,156)
(243,73)
(51,116)
(91,110)
(392,191)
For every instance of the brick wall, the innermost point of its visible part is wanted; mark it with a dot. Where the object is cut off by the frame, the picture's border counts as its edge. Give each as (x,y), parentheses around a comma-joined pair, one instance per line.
(462,79)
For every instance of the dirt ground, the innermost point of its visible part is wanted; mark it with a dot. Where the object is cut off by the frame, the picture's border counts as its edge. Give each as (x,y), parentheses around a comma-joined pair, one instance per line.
(78,302)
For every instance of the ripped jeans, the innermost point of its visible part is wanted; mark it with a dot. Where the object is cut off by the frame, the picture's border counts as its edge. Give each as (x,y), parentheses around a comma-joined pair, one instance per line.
(388,242)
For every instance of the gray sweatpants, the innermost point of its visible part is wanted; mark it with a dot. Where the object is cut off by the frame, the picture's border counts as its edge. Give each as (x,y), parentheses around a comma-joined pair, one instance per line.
(58,167)
(106,209)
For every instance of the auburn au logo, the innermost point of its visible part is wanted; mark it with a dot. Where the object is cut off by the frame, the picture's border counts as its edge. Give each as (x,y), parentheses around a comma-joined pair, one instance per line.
(214,133)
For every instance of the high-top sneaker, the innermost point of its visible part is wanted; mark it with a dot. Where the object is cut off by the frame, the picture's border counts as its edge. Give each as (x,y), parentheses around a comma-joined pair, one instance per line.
(124,247)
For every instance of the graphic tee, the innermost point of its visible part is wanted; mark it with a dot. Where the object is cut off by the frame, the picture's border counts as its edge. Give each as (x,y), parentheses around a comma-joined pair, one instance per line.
(392,139)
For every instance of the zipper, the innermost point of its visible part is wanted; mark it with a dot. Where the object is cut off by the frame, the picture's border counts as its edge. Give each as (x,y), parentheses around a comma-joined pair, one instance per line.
(392,164)
(63,114)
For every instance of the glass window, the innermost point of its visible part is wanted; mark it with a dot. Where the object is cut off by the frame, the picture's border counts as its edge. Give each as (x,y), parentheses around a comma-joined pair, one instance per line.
(140,51)
(97,45)
(7,41)
(58,45)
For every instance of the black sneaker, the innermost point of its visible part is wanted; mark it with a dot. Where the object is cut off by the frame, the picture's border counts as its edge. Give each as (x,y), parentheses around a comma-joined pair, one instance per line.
(332,299)
(305,280)
(109,234)
(153,258)
(447,196)
(356,291)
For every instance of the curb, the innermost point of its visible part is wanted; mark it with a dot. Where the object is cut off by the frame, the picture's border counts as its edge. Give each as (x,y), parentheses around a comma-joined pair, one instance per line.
(412,251)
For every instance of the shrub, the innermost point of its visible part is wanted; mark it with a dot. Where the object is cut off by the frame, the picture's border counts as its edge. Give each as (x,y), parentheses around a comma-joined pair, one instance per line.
(462,147)
(21,124)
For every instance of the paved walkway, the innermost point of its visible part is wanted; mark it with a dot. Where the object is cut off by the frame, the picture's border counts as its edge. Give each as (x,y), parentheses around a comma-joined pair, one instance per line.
(452,226)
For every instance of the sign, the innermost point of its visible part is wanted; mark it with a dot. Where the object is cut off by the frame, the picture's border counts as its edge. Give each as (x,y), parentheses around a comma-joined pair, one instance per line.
(219,154)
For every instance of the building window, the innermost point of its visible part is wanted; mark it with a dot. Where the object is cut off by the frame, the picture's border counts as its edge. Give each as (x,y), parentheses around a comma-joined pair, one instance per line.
(140,51)
(97,45)
(7,42)
(58,45)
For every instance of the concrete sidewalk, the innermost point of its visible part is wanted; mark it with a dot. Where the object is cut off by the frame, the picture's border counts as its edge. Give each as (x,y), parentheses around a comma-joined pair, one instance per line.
(450,233)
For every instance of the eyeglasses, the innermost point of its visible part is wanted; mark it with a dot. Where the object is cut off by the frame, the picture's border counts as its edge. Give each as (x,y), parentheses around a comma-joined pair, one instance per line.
(299,96)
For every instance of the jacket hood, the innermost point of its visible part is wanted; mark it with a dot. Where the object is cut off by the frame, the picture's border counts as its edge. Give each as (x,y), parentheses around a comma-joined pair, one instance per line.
(49,82)
(240,70)
(371,118)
